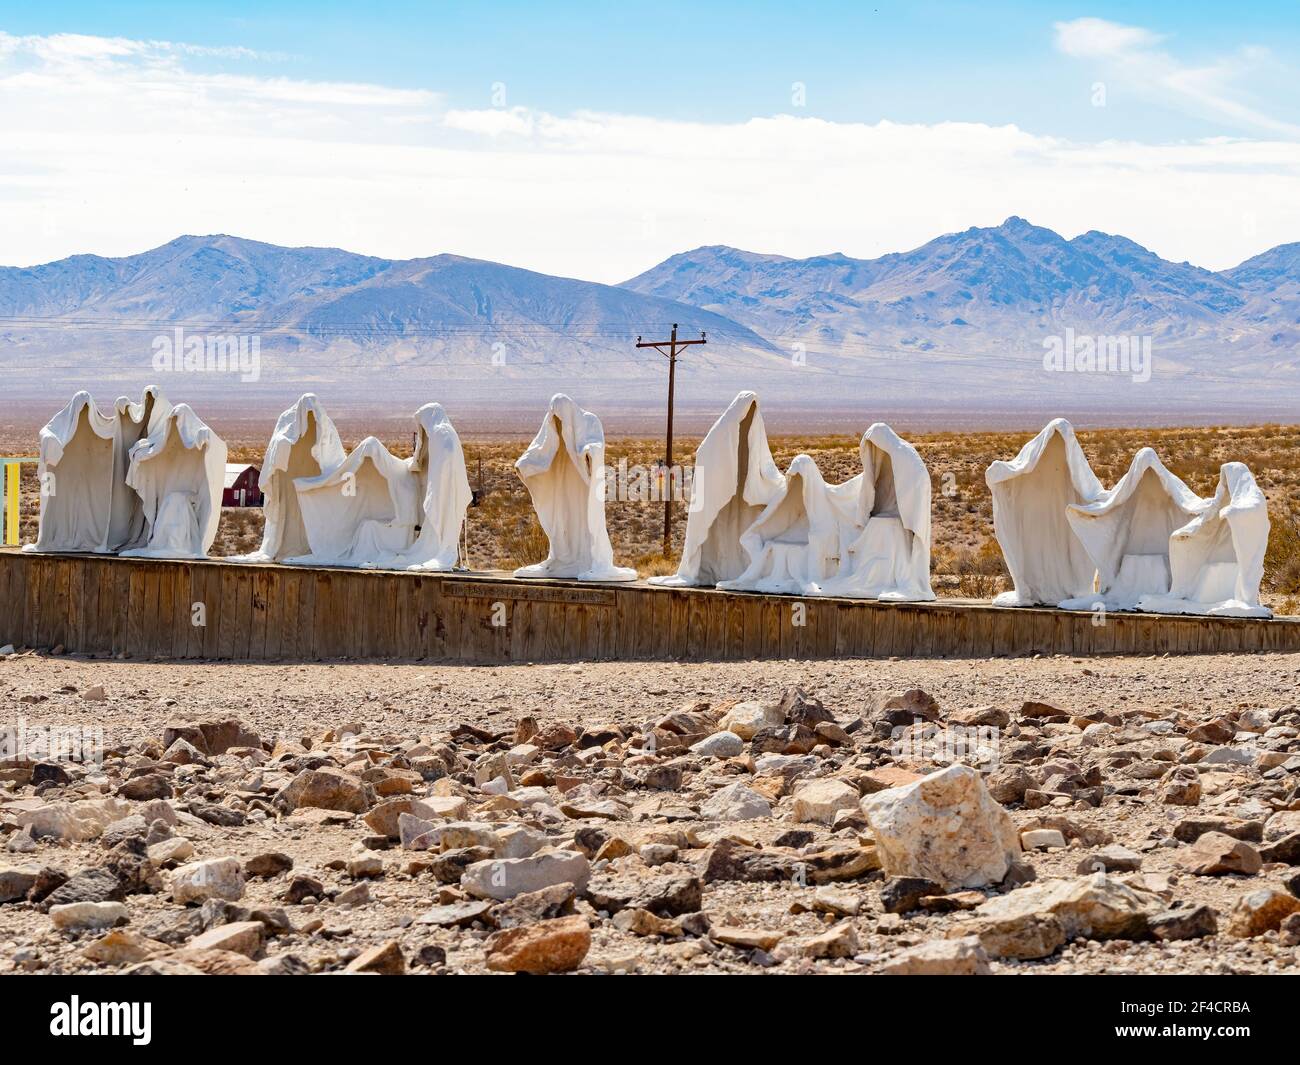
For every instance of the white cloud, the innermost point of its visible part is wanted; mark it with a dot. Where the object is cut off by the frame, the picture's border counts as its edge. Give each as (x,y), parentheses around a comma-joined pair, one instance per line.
(114,147)
(1129,56)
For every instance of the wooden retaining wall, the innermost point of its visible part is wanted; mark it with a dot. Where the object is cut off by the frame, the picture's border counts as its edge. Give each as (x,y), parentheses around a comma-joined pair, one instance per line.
(146,608)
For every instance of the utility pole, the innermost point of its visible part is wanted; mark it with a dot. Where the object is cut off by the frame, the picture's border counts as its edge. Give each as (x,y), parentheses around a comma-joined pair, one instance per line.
(673,345)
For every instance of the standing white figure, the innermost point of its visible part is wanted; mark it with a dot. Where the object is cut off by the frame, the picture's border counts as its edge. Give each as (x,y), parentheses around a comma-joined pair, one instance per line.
(564,471)
(889,557)
(135,421)
(1047,561)
(796,542)
(179,471)
(1126,533)
(85,502)
(305,443)
(1216,560)
(362,513)
(75,473)
(734,479)
(438,467)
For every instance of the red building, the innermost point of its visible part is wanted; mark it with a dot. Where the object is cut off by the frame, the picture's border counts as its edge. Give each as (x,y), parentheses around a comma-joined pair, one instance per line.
(241,489)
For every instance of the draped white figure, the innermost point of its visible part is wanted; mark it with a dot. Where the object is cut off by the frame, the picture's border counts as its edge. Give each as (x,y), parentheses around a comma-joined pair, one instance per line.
(1047,561)
(442,485)
(179,472)
(75,474)
(304,444)
(362,513)
(887,555)
(797,540)
(734,479)
(564,471)
(85,502)
(1216,560)
(1126,533)
(135,421)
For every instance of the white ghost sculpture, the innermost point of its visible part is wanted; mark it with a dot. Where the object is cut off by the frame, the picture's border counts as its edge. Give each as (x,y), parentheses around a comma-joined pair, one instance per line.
(306,444)
(1126,533)
(85,502)
(1047,561)
(888,554)
(442,483)
(734,479)
(795,544)
(564,471)
(1216,560)
(360,514)
(179,472)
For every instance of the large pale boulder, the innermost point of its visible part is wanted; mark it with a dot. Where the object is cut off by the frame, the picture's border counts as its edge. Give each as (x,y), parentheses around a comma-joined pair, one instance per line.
(944,827)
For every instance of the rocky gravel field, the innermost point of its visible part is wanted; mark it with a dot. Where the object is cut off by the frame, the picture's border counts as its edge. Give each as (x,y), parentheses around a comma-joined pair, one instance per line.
(1008,816)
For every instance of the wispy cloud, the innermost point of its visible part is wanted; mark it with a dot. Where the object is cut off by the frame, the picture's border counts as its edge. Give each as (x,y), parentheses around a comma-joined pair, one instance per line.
(113,145)
(1132,56)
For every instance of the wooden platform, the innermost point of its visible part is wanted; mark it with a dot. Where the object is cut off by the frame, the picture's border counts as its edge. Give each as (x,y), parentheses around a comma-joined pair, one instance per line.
(220,610)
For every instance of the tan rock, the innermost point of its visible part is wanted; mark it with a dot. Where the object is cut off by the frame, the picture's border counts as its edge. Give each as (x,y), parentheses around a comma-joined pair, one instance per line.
(940,957)
(239,937)
(1261,911)
(553,946)
(1215,854)
(820,800)
(385,959)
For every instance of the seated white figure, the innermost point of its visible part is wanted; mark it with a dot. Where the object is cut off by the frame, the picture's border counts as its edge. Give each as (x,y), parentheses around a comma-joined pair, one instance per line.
(564,471)
(795,543)
(179,472)
(734,478)
(1047,561)
(304,444)
(442,484)
(889,557)
(1216,560)
(1126,533)
(360,514)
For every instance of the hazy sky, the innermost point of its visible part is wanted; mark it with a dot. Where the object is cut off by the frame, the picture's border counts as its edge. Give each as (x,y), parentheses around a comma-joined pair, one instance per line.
(594,141)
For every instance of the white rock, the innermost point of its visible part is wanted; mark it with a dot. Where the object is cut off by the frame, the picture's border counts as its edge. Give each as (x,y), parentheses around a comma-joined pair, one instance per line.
(78,915)
(1041,839)
(821,800)
(719,745)
(215,878)
(745,719)
(944,827)
(7,650)
(176,849)
(735,802)
(504,878)
(74,821)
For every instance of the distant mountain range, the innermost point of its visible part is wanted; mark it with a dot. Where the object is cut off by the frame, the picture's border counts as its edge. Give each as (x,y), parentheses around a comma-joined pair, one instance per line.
(957,324)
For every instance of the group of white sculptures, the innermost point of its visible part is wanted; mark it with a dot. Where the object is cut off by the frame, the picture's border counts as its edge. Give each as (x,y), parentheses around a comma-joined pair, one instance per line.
(148,481)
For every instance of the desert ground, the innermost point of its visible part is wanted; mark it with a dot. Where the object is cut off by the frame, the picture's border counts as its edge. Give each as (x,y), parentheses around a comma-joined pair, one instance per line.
(965,559)
(1129,816)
